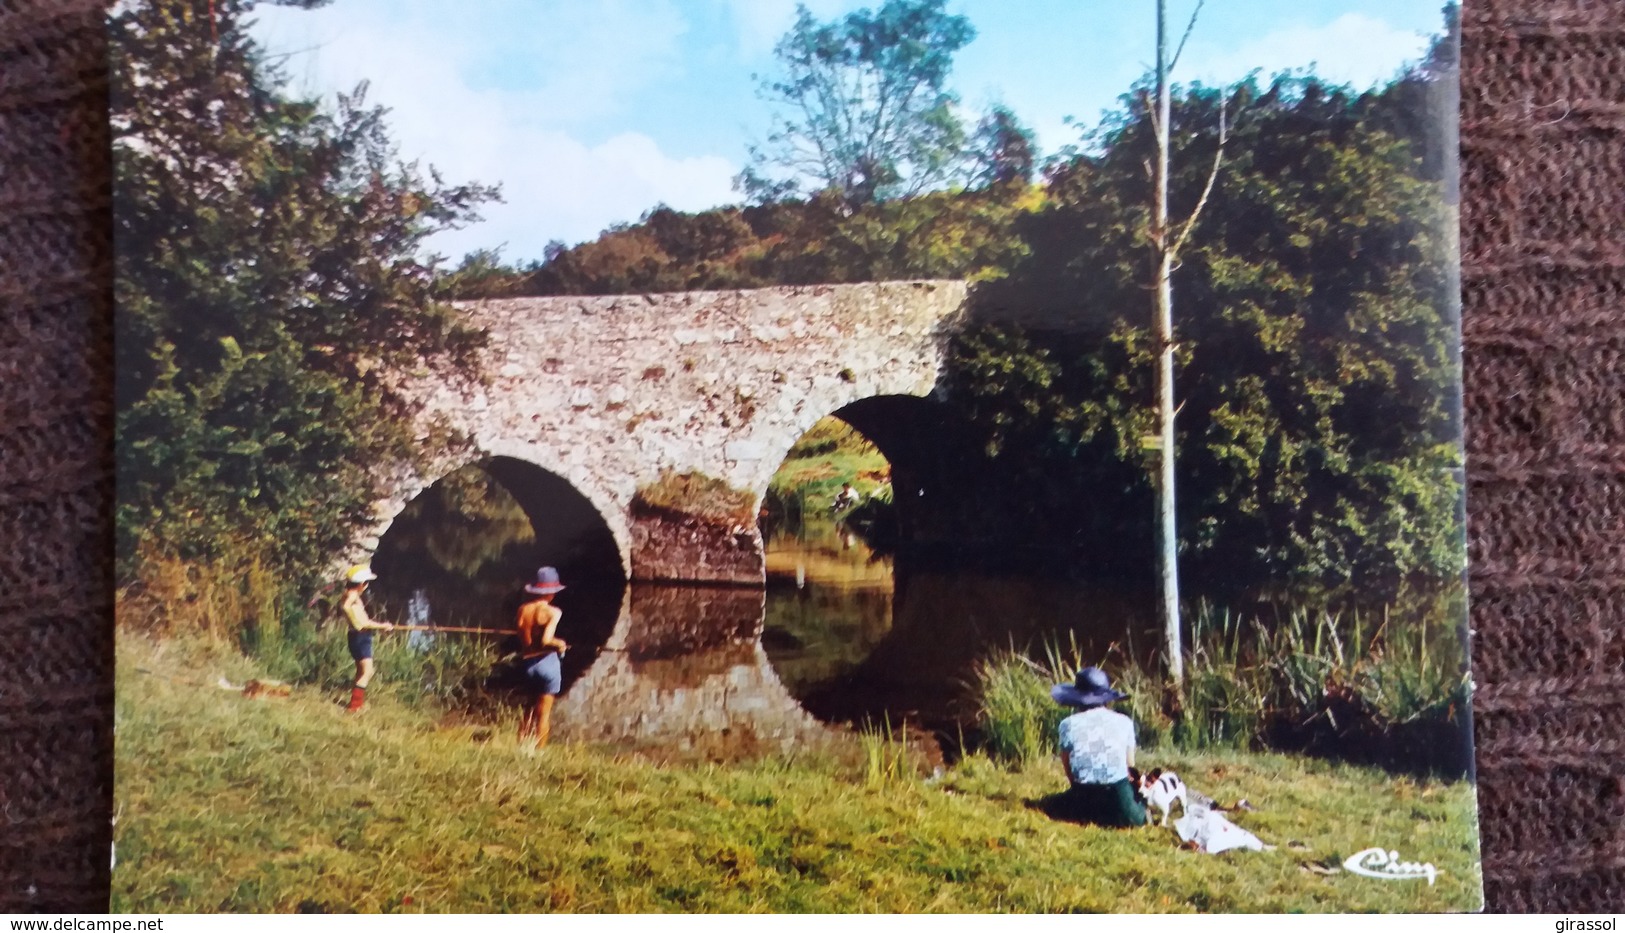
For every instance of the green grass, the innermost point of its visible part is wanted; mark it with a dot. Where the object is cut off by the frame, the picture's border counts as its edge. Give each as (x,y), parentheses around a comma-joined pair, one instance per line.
(832,452)
(228,804)
(1018,719)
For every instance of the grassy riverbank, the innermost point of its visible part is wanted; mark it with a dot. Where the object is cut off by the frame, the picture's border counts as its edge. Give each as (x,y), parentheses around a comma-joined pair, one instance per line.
(832,452)
(282,805)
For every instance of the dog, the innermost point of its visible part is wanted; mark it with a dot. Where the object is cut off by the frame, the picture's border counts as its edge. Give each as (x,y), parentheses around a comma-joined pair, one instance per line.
(1160,789)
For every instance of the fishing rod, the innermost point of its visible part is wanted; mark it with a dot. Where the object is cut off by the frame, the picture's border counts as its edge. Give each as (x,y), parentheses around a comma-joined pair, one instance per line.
(452,628)
(449,628)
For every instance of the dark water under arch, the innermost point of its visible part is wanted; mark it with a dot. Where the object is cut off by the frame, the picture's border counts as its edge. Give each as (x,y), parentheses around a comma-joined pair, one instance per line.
(844,634)
(859,636)
(467,545)
(854,643)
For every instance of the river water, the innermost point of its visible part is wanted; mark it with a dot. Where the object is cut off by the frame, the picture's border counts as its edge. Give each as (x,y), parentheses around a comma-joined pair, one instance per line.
(837,636)
(828,605)
(855,638)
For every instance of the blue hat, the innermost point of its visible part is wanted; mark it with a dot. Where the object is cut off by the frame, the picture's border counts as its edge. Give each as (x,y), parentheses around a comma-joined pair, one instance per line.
(1092,688)
(547,582)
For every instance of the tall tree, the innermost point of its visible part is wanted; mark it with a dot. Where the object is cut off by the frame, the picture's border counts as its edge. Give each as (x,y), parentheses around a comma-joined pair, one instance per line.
(1001,150)
(1316,438)
(1167,239)
(865,108)
(269,279)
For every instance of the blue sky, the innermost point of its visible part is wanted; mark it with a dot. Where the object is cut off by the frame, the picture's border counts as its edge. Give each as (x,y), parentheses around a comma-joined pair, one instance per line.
(589,112)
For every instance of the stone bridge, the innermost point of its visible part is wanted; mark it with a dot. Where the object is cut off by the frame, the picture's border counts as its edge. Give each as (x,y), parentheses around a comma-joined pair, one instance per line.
(601,415)
(611,394)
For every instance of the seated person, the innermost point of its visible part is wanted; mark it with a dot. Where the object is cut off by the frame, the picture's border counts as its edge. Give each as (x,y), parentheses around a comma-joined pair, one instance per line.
(846,498)
(1097,751)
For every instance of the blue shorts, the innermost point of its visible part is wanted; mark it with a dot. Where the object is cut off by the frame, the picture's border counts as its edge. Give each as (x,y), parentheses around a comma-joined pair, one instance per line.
(543,676)
(360,644)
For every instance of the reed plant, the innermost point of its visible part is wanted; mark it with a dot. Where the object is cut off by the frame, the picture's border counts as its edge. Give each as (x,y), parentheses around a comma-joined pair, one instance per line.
(1227,695)
(1308,678)
(1410,679)
(1146,704)
(1017,718)
(888,759)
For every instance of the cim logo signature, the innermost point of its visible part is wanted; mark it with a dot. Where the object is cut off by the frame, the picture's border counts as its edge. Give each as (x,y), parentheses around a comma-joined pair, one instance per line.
(1377,862)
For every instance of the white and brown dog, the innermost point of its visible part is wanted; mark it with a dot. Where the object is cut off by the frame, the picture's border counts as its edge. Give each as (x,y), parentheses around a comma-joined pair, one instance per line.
(1160,789)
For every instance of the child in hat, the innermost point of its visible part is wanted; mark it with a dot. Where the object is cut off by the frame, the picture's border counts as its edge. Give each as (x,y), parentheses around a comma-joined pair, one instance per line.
(1097,751)
(361,629)
(540,649)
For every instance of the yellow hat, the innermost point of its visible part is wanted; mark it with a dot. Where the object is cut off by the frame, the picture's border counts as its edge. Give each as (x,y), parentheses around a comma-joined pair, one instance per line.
(360,573)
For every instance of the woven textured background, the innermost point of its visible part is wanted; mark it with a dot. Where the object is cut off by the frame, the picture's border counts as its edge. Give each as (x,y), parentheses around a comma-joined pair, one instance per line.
(1543,147)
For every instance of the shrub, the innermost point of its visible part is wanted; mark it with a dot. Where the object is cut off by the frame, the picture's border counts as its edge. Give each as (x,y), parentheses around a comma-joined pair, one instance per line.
(234,596)
(1014,708)
(888,759)
(698,495)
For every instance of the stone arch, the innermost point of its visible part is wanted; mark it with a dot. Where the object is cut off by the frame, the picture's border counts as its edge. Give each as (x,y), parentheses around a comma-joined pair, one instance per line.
(601,503)
(926,442)
(566,521)
(617,394)
(568,532)
(923,438)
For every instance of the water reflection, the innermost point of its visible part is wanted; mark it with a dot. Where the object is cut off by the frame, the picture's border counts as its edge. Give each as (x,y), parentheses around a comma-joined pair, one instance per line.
(728,671)
(855,638)
(839,635)
(944,622)
(829,603)
(685,671)
(460,553)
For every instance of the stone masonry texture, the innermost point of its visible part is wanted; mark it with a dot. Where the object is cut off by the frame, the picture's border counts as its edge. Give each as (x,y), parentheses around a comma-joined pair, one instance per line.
(611,393)
(1543,190)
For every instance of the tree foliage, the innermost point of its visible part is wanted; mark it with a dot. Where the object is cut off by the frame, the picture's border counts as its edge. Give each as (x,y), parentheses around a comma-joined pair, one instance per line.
(864,108)
(1318,439)
(1001,150)
(268,284)
(816,241)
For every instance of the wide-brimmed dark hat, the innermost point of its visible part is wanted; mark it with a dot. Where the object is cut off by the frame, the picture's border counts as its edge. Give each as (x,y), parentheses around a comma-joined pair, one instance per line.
(1092,688)
(547,582)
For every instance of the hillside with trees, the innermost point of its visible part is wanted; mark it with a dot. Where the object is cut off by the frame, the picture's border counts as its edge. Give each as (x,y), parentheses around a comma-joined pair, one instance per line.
(1317,434)
(272,273)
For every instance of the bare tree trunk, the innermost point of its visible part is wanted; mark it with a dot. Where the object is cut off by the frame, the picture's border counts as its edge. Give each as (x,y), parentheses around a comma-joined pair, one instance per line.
(1167,532)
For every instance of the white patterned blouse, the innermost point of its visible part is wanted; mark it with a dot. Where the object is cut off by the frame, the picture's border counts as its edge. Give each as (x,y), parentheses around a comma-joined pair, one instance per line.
(1097,742)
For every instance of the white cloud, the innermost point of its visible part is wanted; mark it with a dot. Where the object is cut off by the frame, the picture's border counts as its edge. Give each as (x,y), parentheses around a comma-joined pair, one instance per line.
(1354,49)
(759,24)
(564,190)
(502,101)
